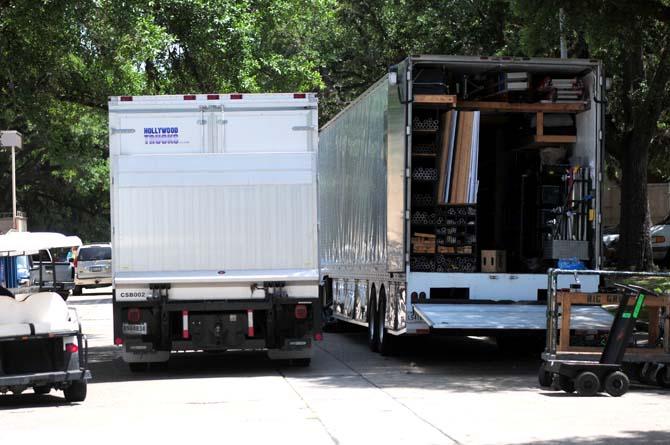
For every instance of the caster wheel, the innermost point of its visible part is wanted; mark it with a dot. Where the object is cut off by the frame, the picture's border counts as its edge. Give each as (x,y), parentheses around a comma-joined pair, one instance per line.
(616,384)
(566,384)
(587,384)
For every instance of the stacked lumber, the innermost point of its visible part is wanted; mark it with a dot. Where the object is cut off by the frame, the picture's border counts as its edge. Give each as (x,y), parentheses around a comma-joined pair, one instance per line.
(423,243)
(463,188)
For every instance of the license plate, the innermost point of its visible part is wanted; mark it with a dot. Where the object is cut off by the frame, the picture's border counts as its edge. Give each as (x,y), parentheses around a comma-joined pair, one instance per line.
(96,269)
(134,328)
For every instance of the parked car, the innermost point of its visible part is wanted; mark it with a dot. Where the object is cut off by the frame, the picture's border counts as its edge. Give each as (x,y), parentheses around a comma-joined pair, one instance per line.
(93,267)
(660,241)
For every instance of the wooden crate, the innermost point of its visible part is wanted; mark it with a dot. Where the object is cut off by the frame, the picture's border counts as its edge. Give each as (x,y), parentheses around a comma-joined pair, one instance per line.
(654,304)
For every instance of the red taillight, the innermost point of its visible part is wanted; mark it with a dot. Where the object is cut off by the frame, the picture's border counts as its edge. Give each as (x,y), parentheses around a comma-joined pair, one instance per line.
(299,95)
(212,97)
(189,97)
(74,263)
(236,96)
(118,341)
(126,98)
(71,348)
(134,315)
(318,336)
(300,311)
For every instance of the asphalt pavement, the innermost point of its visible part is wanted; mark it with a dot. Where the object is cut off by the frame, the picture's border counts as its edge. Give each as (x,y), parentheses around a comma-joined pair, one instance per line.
(435,391)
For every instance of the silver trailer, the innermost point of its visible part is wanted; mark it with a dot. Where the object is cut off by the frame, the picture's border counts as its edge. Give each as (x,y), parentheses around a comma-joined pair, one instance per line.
(379,172)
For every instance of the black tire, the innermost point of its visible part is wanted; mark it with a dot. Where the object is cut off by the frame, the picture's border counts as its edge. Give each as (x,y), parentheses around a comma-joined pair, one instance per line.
(42,389)
(617,384)
(587,384)
(566,384)
(77,290)
(384,339)
(76,392)
(662,377)
(301,362)
(138,366)
(373,335)
(544,377)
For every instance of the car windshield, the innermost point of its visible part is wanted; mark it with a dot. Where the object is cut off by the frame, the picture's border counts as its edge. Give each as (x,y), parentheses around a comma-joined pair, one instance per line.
(94,253)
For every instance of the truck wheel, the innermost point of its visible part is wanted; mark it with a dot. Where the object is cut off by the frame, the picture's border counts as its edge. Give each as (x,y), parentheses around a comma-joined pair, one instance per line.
(544,377)
(138,366)
(76,392)
(566,384)
(76,290)
(587,384)
(373,335)
(42,389)
(662,377)
(384,339)
(616,384)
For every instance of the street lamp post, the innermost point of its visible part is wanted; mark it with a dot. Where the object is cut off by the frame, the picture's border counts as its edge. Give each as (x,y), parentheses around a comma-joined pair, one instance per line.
(13,140)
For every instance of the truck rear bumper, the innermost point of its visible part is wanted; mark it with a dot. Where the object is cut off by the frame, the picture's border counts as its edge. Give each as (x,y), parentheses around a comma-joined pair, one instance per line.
(150,330)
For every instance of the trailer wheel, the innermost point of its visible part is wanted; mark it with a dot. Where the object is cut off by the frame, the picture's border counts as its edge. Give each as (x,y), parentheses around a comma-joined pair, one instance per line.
(566,384)
(544,377)
(616,384)
(373,335)
(662,377)
(76,392)
(138,366)
(76,290)
(42,389)
(385,340)
(587,384)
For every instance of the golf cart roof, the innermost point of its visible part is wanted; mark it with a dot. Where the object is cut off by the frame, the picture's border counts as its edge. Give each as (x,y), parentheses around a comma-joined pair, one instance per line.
(29,243)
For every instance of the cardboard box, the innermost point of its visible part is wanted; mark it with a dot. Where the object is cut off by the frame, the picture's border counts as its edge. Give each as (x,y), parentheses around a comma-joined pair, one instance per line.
(494,261)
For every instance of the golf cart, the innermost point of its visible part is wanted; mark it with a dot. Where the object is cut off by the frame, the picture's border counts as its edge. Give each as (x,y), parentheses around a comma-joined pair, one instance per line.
(41,343)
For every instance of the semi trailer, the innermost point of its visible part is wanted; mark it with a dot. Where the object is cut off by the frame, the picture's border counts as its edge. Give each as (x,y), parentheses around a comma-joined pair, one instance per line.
(452,185)
(214,225)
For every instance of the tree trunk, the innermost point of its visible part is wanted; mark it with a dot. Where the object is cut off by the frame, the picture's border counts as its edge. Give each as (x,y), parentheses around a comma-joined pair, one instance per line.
(635,242)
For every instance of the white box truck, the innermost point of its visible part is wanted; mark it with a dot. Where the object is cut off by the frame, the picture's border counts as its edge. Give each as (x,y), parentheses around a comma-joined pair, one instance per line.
(214,224)
(448,162)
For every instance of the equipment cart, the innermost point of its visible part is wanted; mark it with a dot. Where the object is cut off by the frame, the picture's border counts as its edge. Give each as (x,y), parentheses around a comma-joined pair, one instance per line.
(41,341)
(591,368)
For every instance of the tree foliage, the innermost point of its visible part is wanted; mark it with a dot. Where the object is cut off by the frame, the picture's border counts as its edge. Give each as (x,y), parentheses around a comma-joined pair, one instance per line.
(61,59)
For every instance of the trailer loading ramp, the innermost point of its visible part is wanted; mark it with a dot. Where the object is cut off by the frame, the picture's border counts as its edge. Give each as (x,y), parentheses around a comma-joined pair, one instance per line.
(517,317)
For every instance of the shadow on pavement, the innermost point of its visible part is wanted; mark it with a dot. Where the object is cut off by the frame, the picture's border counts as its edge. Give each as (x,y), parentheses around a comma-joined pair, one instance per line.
(343,360)
(28,399)
(627,437)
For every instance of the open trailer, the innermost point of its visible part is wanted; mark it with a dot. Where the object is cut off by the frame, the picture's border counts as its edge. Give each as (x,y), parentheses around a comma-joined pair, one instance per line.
(450,187)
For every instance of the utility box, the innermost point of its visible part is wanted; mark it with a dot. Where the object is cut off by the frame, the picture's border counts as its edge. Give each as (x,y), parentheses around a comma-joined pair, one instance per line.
(494,261)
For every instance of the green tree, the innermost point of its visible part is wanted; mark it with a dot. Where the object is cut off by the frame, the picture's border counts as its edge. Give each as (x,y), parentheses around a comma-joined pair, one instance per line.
(60,60)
